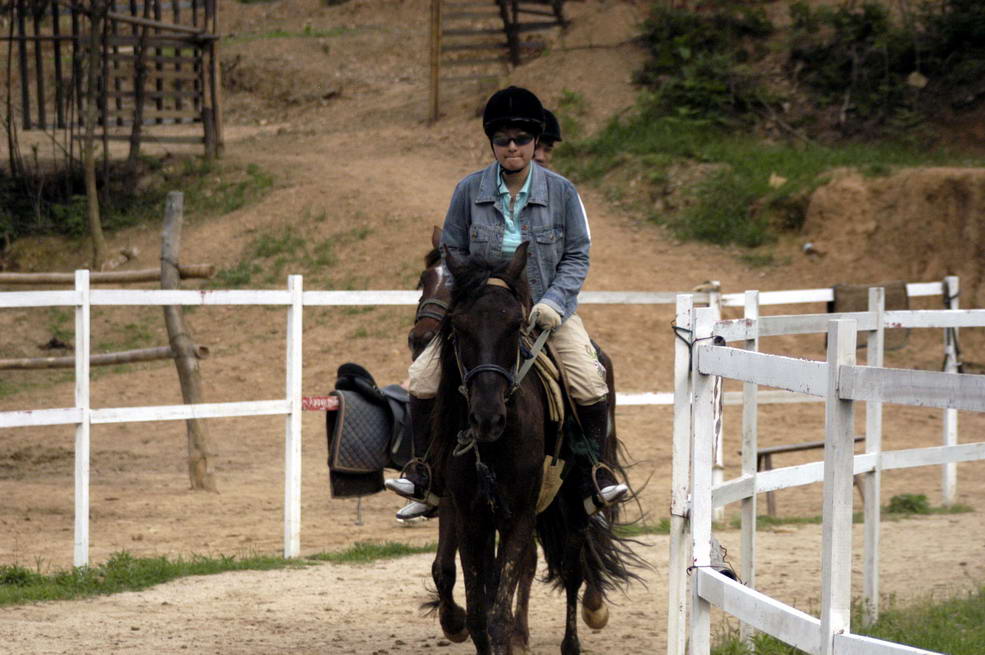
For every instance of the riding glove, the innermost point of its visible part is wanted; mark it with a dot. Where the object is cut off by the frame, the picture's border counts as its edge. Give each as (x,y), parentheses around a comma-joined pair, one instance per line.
(545,316)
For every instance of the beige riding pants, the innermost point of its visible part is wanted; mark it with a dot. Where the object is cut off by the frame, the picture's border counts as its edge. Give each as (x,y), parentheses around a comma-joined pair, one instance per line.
(571,344)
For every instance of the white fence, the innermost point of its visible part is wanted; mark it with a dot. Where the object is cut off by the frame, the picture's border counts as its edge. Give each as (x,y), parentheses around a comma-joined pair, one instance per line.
(840,383)
(294,299)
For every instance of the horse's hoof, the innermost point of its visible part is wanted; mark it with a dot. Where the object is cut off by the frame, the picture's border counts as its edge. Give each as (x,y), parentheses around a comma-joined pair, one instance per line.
(457,637)
(595,619)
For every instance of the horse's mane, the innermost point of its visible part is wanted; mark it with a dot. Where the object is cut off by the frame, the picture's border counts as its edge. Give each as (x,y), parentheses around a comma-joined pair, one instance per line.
(469,284)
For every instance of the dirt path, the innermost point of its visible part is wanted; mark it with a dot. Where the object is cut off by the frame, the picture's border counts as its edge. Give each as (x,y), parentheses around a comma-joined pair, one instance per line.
(371,609)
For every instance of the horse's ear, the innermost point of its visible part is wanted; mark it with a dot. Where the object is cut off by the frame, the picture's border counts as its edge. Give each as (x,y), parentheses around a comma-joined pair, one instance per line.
(519,263)
(436,237)
(455,264)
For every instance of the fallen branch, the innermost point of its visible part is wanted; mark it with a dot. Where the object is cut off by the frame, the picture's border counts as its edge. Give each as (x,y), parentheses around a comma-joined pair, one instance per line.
(104,359)
(187,271)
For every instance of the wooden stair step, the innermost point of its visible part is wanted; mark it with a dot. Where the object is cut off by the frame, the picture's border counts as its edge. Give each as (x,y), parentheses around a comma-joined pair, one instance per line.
(533,27)
(472,32)
(475,62)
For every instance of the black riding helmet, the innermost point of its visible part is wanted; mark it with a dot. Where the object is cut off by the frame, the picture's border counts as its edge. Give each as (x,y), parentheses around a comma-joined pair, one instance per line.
(513,106)
(552,129)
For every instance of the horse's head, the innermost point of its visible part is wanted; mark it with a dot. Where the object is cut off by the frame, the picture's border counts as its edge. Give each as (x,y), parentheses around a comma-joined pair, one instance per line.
(488,310)
(435,295)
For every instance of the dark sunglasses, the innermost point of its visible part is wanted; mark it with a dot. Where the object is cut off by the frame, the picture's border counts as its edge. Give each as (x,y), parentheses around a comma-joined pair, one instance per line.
(503,141)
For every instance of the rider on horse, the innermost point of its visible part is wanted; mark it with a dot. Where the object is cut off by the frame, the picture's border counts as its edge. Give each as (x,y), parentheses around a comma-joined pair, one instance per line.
(492,211)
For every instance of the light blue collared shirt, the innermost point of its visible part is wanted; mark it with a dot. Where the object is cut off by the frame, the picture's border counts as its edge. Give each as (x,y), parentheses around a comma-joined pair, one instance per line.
(511,231)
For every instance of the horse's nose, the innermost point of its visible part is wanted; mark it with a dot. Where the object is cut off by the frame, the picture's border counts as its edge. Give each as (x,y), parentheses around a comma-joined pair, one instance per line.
(487,426)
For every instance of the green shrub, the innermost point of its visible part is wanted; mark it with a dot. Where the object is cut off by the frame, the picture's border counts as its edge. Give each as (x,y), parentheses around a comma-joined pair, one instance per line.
(909,504)
(699,62)
(863,62)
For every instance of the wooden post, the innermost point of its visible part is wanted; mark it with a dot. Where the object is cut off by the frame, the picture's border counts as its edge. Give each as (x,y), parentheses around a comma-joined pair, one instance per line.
(750,445)
(216,75)
(871,481)
(705,407)
(949,471)
(839,452)
(718,469)
(82,430)
(680,482)
(96,23)
(434,95)
(200,471)
(292,427)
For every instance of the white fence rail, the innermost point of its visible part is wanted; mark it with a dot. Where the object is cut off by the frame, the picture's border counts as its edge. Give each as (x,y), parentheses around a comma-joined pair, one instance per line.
(841,383)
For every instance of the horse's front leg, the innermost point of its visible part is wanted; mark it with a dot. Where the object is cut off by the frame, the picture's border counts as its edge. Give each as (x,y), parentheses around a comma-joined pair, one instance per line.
(521,626)
(477,548)
(450,615)
(514,544)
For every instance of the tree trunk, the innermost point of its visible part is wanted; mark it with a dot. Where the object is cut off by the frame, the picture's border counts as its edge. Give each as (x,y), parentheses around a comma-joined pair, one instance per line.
(96,22)
(200,471)
(139,82)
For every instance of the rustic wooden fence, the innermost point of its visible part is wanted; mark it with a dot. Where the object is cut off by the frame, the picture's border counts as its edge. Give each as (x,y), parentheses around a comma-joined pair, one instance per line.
(159,65)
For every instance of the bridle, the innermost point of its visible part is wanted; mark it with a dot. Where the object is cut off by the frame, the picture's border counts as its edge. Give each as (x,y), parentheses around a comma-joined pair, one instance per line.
(423,310)
(523,361)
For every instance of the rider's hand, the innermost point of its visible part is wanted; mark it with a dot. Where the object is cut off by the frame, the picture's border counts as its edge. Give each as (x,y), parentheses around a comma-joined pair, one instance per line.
(544,316)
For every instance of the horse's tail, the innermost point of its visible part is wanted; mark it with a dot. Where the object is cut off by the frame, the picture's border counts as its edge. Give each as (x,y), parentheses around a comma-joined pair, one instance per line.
(605,559)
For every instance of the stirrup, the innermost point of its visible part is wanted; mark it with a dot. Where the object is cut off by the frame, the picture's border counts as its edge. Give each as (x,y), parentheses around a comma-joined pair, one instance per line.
(407,488)
(602,498)
(415,510)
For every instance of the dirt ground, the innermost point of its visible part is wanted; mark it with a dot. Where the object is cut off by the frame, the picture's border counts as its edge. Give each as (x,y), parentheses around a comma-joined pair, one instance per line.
(340,123)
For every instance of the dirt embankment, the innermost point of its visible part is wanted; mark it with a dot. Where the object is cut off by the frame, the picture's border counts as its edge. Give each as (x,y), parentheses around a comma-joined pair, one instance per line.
(918,224)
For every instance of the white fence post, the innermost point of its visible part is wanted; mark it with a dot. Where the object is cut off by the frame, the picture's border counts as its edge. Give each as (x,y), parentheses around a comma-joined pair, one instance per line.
(704,409)
(875,347)
(750,463)
(949,471)
(292,432)
(839,452)
(718,472)
(680,480)
(82,429)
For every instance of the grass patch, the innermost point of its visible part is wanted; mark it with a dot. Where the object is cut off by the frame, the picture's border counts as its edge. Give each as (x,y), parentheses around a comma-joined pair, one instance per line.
(272,252)
(122,572)
(308,32)
(955,626)
(364,551)
(641,528)
(735,203)
(899,507)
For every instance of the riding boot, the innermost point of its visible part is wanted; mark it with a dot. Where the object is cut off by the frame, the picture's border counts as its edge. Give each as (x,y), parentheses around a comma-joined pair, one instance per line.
(601,488)
(415,479)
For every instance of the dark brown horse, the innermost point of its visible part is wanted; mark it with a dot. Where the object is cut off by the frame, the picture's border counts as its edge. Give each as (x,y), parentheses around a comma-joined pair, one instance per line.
(489,449)
(432,307)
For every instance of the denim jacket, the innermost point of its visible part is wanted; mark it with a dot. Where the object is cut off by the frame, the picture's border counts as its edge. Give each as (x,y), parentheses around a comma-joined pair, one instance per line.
(553,221)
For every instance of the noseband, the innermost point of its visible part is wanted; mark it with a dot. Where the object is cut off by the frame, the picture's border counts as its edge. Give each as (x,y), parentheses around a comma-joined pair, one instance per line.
(423,311)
